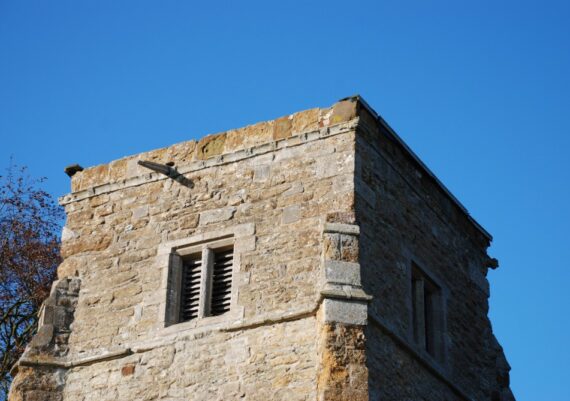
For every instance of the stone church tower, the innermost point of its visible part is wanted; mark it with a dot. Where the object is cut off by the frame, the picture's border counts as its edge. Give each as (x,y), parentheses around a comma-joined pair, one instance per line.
(313,257)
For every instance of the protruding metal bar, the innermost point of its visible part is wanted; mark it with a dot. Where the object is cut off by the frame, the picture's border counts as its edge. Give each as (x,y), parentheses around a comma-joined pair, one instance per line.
(72,169)
(167,170)
(159,168)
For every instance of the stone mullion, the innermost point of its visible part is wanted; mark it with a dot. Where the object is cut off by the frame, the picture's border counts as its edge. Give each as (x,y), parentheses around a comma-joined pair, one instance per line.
(206,282)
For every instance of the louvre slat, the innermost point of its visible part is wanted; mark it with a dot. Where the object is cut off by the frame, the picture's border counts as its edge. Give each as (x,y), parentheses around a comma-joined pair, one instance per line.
(222,286)
(190,286)
(227,265)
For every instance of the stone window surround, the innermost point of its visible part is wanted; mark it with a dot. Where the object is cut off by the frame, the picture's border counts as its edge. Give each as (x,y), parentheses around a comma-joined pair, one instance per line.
(241,237)
(206,250)
(440,359)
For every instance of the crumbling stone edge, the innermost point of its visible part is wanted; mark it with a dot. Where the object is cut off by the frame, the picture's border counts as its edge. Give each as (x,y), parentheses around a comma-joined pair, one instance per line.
(47,352)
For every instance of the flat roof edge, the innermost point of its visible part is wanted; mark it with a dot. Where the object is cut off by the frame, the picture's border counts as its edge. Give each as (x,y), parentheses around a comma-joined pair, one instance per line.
(394,136)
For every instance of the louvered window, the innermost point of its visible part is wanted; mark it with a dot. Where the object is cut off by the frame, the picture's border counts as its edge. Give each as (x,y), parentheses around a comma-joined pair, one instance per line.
(200,283)
(222,282)
(190,291)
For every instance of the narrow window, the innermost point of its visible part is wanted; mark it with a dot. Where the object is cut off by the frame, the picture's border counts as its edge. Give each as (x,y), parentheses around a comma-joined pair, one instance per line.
(222,282)
(427,314)
(200,283)
(190,291)
(430,295)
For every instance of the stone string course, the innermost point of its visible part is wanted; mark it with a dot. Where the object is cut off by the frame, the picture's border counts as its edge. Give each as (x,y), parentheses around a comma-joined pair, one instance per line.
(326,211)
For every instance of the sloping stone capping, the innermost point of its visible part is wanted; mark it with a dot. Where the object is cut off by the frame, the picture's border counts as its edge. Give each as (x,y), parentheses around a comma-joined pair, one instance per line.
(326,211)
(40,372)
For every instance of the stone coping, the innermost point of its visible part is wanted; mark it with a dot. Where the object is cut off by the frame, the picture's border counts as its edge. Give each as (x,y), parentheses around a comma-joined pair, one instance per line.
(141,175)
(212,146)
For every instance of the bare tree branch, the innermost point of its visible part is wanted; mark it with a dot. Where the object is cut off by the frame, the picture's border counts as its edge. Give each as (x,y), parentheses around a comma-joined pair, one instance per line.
(30,223)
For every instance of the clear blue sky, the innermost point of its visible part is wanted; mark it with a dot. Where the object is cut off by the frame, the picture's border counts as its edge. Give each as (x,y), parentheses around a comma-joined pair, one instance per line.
(480,90)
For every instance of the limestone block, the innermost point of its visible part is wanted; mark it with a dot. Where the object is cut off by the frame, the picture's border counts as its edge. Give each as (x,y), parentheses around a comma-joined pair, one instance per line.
(99,200)
(331,247)
(244,230)
(181,153)
(345,311)
(211,145)
(217,215)
(330,166)
(339,272)
(307,120)
(95,242)
(343,111)
(257,134)
(140,212)
(341,228)
(43,337)
(245,244)
(118,170)
(349,248)
(133,169)
(94,176)
(282,128)
(189,221)
(291,214)
(261,173)
(341,217)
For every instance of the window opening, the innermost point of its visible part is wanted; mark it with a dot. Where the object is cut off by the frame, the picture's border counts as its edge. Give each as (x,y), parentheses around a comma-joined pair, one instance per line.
(222,282)
(204,283)
(190,288)
(427,314)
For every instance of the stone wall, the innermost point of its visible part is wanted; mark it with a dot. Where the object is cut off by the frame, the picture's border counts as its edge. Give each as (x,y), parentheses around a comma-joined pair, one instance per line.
(275,362)
(406,217)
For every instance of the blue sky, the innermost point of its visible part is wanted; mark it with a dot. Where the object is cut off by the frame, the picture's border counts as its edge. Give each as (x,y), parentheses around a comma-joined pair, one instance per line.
(480,90)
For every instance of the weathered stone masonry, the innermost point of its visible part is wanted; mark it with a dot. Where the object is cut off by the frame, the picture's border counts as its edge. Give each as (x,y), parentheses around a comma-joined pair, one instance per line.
(326,212)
